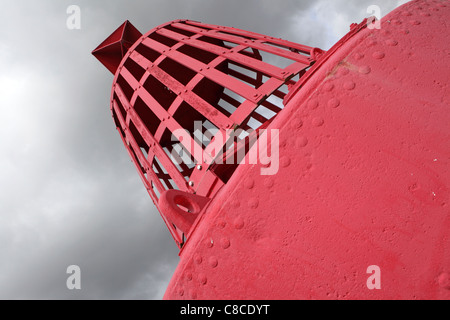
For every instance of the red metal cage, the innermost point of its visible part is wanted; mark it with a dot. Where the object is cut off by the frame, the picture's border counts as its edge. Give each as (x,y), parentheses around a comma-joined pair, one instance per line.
(186,72)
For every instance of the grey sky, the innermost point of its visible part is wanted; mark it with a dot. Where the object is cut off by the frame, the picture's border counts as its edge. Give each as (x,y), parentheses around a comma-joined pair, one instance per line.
(69,193)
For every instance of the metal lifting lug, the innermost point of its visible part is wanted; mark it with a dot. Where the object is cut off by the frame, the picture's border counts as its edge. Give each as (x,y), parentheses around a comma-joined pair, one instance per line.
(181,208)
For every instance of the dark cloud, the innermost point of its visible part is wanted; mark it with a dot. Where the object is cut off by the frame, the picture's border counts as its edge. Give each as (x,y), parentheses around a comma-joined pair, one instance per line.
(69,193)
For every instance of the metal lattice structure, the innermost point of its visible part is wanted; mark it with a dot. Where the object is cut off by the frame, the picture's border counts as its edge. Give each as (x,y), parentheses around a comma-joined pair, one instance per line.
(187,71)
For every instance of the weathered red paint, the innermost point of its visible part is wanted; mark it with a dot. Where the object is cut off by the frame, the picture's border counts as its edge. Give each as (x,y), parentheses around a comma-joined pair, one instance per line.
(364,171)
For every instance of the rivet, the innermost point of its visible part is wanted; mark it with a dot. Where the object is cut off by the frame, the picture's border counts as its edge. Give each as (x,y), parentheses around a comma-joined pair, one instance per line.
(328,87)
(364,69)
(239,223)
(191,183)
(209,243)
(198,259)
(213,262)
(199,167)
(313,104)
(253,203)
(285,162)
(358,56)
(236,204)
(249,183)
(392,42)
(301,142)
(297,123)
(378,55)
(221,224)
(268,182)
(444,280)
(202,278)
(349,85)
(334,103)
(317,122)
(225,243)
(371,42)
(343,71)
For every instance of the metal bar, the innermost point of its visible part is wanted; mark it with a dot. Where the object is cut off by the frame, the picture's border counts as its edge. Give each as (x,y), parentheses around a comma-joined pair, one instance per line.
(223,110)
(129,78)
(150,140)
(159,152)
(169,122)
(242,76)
(161,175)
(279,94)
(294,68)
(230,100)
(269,105)
(219,120)
(258,117)
(123,124)
(256,44)
(134,160)
(232,55)
(243,111)
(213,74)
(244,33)
(246,109)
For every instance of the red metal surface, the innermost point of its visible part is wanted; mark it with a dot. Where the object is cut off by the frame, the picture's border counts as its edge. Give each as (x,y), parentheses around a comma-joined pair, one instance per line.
(364,172)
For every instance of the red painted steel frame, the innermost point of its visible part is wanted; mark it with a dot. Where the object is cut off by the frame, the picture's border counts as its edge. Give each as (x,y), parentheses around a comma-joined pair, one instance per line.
(177,74)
